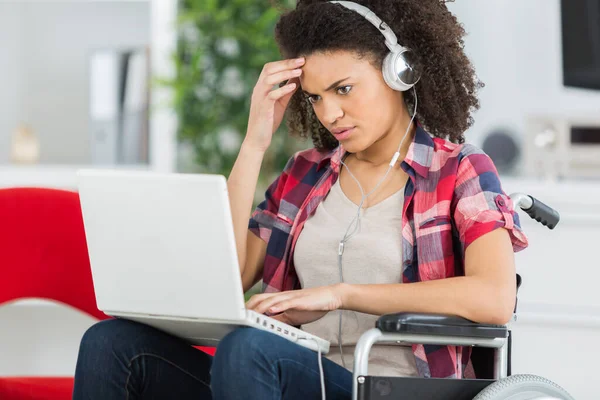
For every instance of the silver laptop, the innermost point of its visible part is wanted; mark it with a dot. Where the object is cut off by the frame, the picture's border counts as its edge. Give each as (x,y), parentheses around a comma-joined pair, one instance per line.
(162,252)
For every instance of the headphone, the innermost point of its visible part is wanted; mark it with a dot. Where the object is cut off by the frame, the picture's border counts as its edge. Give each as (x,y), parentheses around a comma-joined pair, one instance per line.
(398,66)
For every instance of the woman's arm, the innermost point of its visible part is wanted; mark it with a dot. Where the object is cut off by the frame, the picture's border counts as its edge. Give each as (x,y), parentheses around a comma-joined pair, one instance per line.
(267,108)
(486,294)
(241,186)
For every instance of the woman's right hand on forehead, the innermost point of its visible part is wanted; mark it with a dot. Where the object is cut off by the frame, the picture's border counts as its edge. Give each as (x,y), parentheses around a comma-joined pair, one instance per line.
(269,101)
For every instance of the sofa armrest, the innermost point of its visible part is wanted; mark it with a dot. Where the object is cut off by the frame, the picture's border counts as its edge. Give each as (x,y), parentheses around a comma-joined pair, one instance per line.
(439,325)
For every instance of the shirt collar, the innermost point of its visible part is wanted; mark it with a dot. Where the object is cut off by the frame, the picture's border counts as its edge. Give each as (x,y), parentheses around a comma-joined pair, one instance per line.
(418,157)
(420,152)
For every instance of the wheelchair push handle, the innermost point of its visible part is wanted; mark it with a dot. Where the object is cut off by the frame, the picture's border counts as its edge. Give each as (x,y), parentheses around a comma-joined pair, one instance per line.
(537,210)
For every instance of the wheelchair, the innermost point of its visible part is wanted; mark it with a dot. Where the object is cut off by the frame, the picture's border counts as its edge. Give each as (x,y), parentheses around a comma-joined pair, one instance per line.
(491,353)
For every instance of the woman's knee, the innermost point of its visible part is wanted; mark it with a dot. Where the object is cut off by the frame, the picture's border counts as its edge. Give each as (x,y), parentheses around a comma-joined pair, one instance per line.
(243,346)
(94,347)
(109,337)
(100,338)
(98,335)
(241,356)
(245,342)
(104,333)
(114,356)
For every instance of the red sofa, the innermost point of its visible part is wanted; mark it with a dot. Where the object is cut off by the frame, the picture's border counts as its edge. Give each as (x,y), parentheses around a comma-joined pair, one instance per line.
(43,254)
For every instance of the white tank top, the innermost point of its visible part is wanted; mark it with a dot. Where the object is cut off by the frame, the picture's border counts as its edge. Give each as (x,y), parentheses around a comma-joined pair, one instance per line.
(373,255)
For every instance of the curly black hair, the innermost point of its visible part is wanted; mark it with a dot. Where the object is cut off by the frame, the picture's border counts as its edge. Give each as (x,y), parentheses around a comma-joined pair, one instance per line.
(447,91)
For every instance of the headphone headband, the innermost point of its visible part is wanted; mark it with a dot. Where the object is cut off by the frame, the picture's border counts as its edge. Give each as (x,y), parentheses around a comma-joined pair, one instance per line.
(391,41)
(397,68)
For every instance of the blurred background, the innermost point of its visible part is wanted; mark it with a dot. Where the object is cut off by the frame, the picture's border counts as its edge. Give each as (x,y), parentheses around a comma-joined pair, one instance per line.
(165,85)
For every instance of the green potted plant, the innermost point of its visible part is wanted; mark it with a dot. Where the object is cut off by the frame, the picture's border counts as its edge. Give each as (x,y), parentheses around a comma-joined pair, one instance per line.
(221,50)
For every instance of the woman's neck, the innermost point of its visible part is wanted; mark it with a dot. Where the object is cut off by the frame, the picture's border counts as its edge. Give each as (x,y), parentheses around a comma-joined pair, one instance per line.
(381,152)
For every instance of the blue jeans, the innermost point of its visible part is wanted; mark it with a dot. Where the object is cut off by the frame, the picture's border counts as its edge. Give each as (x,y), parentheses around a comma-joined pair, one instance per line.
(120,359)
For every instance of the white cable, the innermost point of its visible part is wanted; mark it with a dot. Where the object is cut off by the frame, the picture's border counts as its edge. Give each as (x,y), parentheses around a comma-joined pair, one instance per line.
(320,360)
(321,370)
(356,220)
(363,196)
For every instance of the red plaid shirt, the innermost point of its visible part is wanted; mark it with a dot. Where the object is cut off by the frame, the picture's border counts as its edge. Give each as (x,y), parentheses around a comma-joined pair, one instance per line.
(453,197)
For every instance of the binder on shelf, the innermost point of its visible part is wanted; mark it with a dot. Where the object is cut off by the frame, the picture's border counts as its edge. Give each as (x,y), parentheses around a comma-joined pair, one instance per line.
(135,129)
(119,91)
(104,106)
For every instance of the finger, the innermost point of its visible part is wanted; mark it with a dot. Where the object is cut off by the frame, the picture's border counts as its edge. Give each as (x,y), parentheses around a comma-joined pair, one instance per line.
(279,308)
(292,80)
(264,305)
(285,99)
(281,65)
(276,94)
(257,298)
(268,303)
(282,76)
(284,305)
(283,317)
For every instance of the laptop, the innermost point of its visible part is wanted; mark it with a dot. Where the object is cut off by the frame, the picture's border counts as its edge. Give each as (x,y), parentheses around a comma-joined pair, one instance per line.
(162,252)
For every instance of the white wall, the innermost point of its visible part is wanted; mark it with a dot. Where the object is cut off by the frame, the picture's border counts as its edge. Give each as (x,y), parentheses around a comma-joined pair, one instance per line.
(44,48)
(11,79)
(516,48)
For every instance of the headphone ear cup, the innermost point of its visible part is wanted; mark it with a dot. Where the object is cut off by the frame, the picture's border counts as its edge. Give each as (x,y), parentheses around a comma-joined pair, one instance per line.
(389,76)
(398,71)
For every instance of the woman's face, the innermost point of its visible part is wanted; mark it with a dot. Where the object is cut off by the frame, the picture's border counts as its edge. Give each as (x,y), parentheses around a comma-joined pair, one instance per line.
(347,92)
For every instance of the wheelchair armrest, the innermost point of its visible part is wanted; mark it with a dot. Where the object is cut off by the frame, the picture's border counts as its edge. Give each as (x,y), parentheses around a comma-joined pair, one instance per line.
(441,325)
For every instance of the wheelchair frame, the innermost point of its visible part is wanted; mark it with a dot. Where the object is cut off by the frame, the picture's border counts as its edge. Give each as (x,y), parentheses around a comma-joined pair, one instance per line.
(376,335)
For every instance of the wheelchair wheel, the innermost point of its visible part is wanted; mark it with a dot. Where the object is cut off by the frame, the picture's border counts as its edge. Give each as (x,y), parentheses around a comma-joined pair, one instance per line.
(523,387)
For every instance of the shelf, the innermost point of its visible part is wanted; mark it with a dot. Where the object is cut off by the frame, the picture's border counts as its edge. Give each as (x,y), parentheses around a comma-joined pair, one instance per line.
(49,176)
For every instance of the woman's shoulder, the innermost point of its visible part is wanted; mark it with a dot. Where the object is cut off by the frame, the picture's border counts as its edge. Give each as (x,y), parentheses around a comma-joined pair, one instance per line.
(445,151)
(312,155)
(305,160)
(463,162)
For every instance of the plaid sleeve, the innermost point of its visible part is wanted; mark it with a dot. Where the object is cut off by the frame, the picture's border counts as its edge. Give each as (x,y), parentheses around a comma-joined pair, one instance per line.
(264,217)
(481,204)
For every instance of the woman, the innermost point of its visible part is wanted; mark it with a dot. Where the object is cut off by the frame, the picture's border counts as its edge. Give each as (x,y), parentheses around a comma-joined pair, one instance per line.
(389,212)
